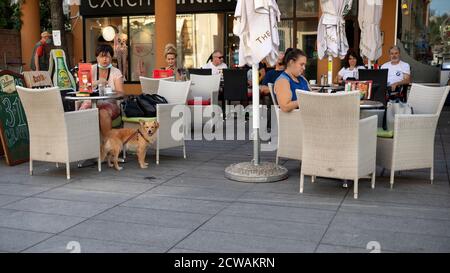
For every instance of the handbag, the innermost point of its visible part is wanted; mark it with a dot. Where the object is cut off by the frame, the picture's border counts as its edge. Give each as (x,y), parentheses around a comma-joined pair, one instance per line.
(396,108)
(131,107)
(148,103)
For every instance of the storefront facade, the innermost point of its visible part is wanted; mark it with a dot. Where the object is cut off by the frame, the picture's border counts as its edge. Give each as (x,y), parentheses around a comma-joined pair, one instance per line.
(201,27)
(197,27)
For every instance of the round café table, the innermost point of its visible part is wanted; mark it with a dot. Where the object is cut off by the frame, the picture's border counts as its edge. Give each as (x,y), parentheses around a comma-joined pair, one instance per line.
(371,104)
(93,99)
(326,88)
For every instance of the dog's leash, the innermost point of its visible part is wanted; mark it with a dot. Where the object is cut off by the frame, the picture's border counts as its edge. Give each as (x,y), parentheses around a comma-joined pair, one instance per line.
(134,134)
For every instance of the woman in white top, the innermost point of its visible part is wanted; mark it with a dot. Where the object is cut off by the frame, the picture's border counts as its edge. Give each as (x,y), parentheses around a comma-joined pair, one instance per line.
(352,63)
(104,73)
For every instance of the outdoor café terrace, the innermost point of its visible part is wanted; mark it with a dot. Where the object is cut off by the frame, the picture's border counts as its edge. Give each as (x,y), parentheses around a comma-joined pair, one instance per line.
(187,205)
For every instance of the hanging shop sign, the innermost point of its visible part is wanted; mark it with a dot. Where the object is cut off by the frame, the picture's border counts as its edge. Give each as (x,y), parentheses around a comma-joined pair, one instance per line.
(116,7)
(100,8)
(196,6)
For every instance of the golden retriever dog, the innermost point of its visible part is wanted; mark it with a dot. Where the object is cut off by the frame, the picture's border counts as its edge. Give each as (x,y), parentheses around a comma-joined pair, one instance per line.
(137,140)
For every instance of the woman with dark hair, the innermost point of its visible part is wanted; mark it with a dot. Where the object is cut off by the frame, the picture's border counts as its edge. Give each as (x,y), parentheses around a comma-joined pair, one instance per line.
(352,63)
(104,73)
(291,79)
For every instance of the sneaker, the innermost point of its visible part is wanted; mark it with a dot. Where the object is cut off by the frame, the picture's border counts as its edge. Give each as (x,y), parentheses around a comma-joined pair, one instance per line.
(345,184)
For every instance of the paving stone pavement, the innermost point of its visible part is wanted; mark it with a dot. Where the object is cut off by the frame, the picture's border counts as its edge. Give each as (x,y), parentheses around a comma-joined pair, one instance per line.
(186,205)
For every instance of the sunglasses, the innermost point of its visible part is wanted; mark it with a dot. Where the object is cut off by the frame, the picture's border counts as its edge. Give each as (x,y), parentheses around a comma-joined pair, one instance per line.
(220,57)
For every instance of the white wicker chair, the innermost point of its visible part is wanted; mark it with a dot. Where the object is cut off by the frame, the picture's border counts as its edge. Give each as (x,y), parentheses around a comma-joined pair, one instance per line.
(274,100)
(289,132)
(150,85)
(412,146)
(336,143)
(56,136)
(205,87)
(176,94)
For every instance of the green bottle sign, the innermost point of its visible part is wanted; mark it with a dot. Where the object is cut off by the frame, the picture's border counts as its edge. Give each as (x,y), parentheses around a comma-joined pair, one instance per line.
(62,74)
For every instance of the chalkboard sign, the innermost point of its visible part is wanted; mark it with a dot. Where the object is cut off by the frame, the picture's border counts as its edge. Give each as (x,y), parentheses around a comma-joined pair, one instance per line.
(13,123)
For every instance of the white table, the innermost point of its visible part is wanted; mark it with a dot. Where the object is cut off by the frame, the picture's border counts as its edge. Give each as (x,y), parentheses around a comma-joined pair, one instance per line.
(328,88)
(94,99)
(371,104)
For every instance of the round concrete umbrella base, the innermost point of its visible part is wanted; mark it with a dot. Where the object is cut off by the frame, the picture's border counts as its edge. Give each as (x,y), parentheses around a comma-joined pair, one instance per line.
(265,172)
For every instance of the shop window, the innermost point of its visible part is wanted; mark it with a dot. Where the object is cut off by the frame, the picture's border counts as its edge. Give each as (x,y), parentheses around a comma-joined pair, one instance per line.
(132,44)
(286,34)
(307,8)
(307,41)
(286,8)
(198,35)
(142,39)
(95,36)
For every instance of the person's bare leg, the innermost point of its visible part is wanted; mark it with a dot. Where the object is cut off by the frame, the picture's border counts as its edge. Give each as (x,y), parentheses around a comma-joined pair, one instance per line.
(105,122)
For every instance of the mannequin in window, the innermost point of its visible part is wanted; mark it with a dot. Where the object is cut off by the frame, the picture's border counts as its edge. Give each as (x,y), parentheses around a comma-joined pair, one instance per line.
(121,53)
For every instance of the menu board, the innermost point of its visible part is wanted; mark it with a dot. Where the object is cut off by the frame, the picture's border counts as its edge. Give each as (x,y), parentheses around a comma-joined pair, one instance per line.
(14,133)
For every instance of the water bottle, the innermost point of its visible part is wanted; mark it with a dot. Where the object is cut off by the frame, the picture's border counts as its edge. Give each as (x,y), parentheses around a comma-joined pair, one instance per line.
(108,90)
(101,89)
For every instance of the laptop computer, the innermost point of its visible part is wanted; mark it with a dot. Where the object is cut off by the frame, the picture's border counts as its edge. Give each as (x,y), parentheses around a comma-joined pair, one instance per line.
(200,71)
(379,79)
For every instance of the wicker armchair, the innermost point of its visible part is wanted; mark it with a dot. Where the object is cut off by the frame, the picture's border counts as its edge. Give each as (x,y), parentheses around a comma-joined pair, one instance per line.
(56,136)
(205,88)
(289,131)
(176,94)
(150,85)
(336,143)
(412,146)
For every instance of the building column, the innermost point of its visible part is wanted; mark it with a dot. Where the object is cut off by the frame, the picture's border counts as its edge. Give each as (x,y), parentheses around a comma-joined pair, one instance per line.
(30,33)
(165,28)
(387,26)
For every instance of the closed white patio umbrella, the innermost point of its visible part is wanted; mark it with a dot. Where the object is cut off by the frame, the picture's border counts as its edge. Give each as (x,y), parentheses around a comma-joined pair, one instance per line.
(256,25)
(72,2)
(369,17)
(331,37)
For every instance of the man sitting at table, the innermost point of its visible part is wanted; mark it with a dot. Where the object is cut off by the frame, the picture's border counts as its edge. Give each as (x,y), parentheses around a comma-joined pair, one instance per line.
(216,64)
(104,73)
(399,72)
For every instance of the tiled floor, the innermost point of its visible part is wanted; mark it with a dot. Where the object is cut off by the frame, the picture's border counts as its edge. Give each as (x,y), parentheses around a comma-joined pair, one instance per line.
(188,206)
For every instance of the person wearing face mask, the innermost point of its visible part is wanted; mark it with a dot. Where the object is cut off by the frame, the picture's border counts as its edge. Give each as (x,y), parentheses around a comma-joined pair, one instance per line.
(41,53)
(291,79)
(104,73)
(399,72)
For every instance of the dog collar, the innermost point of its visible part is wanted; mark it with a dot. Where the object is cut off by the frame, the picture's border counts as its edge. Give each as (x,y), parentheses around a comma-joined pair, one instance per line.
(139,131)
(134,134)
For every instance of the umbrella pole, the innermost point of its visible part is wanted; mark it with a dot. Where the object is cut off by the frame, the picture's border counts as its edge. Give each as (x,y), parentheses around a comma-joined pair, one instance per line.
(256,171)
(369,64)
(330,69)
(255,108)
